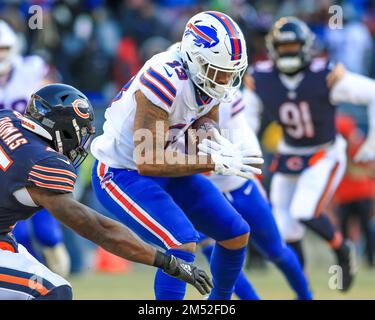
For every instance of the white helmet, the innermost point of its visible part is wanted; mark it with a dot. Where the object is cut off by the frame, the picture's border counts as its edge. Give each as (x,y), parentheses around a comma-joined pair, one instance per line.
(214,47)
(8,40)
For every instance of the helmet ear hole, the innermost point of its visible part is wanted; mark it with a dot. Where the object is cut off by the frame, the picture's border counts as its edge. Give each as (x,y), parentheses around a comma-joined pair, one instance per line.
(63,98)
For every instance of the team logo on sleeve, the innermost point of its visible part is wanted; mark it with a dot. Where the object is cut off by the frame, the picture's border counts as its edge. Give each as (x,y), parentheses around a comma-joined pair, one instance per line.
(81,108)
(204,36)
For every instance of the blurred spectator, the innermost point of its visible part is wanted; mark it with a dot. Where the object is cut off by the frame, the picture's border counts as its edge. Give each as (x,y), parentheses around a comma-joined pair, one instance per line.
(138,19)
(355,34)
(356,191)
(127,61)
(153,46)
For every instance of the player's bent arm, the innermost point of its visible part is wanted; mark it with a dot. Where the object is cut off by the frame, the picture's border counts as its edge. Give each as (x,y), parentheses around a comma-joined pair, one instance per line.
(151,157)
(354,88)
(116,238)
(105,232)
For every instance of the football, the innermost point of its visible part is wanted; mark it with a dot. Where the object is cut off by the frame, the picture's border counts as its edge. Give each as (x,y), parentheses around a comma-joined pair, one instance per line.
(197,132)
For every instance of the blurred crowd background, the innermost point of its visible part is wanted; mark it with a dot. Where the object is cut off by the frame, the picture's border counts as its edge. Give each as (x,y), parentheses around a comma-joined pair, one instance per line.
(97,45)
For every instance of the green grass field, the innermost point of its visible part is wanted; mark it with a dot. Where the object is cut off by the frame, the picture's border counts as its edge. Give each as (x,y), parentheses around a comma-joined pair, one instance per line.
(270,284)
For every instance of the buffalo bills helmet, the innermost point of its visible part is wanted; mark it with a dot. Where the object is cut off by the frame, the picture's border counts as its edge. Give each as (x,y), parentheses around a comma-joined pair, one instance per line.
(213,50)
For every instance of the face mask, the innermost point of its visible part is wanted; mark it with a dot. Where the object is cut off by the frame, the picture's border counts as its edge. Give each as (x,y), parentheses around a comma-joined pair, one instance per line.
(289,62)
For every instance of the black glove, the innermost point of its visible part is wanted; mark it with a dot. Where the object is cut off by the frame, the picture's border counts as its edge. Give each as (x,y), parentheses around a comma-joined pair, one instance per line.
(184,271)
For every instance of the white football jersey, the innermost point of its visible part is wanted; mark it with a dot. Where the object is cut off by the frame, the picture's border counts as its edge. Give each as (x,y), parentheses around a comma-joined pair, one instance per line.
(164,81)
(24,79)
(235,127)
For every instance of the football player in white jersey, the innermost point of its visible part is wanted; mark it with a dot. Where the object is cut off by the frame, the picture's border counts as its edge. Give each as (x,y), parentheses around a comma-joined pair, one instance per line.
(20,76)
(311,157)
(154,189)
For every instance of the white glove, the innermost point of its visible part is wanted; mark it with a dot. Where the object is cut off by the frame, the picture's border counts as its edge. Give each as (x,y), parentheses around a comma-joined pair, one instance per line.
(228,158)
(367,151)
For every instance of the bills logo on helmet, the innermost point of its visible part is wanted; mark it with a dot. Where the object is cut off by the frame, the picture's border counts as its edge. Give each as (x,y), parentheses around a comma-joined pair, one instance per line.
(204,36)
(80,104)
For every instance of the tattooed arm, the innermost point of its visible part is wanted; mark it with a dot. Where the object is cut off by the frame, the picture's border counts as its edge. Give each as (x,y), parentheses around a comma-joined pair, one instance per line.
(150,134)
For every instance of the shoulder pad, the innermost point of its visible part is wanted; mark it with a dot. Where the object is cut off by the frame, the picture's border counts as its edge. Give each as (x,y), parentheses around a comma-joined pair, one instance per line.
(162,79)
(264,66)
(318,64)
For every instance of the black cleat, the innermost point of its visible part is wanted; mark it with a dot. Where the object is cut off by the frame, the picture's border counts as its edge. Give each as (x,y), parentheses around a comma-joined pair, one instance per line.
(346,259)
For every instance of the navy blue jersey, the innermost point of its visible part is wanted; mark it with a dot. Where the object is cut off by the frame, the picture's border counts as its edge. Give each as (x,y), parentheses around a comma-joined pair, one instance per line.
(27,160)
(306,115)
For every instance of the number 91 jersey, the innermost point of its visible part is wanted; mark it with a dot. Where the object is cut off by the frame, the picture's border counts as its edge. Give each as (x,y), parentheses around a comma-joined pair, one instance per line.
(24,78)
(305,112)
(164,81)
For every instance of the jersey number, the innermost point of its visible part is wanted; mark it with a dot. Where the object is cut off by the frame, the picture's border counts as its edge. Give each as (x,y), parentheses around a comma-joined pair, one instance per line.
(297,119)
(5,161)
(181,74)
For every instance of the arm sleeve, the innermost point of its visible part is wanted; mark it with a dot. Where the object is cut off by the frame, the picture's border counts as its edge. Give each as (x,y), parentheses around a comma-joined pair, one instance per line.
(356,89)
(159,84)
(53,173)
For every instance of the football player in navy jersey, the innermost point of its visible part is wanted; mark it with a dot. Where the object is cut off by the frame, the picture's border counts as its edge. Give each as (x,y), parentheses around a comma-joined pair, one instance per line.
(301,94)
(39,152)
(20,76)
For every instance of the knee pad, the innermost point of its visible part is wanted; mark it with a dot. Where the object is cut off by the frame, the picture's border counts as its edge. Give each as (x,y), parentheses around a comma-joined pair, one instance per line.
(240,228)
(237,227)
(58,293)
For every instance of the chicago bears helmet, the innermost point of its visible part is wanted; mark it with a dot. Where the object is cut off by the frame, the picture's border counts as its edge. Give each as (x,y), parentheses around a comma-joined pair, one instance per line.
(66,118)
(213,50)
(290,30)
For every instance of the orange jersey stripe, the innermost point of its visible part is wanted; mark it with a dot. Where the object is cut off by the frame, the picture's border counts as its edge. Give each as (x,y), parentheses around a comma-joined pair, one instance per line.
(51,186)
(61,171)
(25,282)
(51,178)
